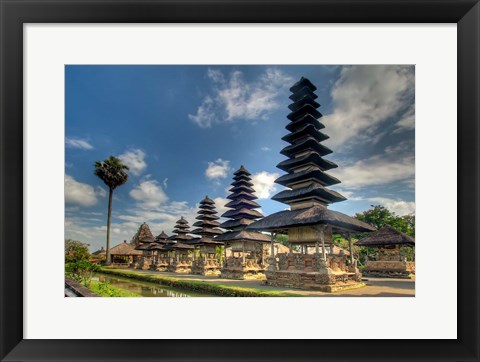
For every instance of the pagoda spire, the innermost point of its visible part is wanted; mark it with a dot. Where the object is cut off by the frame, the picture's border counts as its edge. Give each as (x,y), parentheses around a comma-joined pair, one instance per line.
(207,227)
(306,179)
(181,230)
(242,205)
(142,236)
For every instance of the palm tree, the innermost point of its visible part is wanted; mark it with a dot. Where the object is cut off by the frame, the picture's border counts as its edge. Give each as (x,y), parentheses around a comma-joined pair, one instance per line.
(112,173)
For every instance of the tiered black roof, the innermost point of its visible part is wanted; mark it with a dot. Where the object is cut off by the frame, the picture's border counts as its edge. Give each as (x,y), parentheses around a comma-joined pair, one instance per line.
(306,177)
(181,230)
(242,210)
(207,227)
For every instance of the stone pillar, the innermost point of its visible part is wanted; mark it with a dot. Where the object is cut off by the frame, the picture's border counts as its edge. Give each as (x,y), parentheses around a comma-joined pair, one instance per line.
(290,248)
(317,250)
(243,253)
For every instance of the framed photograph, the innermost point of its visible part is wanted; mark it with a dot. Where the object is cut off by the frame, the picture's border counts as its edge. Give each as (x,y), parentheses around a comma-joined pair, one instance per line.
(239,181)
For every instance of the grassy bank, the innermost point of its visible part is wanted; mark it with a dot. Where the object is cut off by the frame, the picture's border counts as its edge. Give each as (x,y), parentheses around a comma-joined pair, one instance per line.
(108,290)
(209,287)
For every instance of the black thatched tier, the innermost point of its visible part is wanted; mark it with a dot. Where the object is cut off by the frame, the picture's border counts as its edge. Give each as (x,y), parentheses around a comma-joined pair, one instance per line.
(241,188)
(207,217)
(242,203)
(205,211)
(205,222)
(386,236)
(313,191)
(207,231)
(310,174)
(243,181)
(178,246)
(243,235)
(307,130)
(241,195)
(242,171)
(242,213)
(308,144)
(300,102)
(303,111)
(311,158)
(161,236)
(207,201)
(302,83)
(307,119)
(315,215)
(305,91)
(236,223)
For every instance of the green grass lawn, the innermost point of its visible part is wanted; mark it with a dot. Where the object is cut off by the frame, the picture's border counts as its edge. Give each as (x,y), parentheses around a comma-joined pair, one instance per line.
(108,290)
(210,287)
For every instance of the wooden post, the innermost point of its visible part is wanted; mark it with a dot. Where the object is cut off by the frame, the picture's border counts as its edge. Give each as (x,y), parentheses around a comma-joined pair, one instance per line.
(322,239)
(317,250)
(349,238)
(272,247)
(243,252)
(290,248)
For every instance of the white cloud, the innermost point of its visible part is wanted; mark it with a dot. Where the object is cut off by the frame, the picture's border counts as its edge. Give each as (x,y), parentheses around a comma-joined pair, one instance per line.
(265,148)
(220,203)
(135,160)
(407,122)
(364,97)
(234,98)
(148,194)
(79,193)
(100,191)
(396,164)
(264,184)
(217,169)
(165,183)
(73,142)
(399,207)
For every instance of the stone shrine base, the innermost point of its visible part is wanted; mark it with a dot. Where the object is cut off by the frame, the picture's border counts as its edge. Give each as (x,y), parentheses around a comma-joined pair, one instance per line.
(310,280)
(389,269)
(242,274)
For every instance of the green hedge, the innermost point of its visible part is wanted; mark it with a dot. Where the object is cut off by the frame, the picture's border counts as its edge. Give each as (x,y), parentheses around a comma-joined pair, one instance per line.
(107,290)
(199,286)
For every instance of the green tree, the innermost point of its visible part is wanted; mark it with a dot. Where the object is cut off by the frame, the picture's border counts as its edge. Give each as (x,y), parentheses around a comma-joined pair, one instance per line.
(76,251)
(112,172)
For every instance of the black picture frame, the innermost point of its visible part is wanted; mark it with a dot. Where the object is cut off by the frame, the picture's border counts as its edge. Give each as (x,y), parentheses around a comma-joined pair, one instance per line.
(16,13)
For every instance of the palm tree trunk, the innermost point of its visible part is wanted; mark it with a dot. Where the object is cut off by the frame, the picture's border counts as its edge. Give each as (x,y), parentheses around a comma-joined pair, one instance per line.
(110,194)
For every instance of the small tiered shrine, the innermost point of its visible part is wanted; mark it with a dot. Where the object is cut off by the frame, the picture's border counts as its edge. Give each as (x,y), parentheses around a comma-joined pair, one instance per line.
(388,261)
(309,223)
(142,241)
(160,252)
(246,258)
(180,252)
(205,260)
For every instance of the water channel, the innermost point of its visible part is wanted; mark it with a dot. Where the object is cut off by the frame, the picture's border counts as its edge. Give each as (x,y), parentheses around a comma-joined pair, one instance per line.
(146,289)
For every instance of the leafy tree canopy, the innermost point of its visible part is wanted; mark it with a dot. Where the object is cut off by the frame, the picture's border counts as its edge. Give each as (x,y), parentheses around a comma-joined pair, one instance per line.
(76,251)
(111,172)
(380,216)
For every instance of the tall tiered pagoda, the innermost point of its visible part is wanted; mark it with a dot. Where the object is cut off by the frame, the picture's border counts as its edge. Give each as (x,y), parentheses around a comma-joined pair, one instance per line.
(309,223)
(142,241)
(246,258)
(206,262)
(160,252)
(180,252)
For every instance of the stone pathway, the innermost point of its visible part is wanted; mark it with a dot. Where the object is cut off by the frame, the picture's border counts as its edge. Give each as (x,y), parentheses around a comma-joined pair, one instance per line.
(375,287)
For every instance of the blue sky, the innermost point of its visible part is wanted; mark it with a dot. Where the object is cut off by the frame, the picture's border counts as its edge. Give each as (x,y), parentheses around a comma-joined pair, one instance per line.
(183,130)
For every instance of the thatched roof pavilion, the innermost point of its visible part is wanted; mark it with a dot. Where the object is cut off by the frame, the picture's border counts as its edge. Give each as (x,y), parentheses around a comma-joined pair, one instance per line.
(281,221)
(124,249)
(386,236)
(100,253)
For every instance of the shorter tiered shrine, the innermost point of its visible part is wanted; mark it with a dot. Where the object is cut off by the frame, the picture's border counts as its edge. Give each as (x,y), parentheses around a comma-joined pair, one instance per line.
(388,261)
(142,241)
(309,224)
(246,259)
(160,252)
(180,252)
(205,257)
